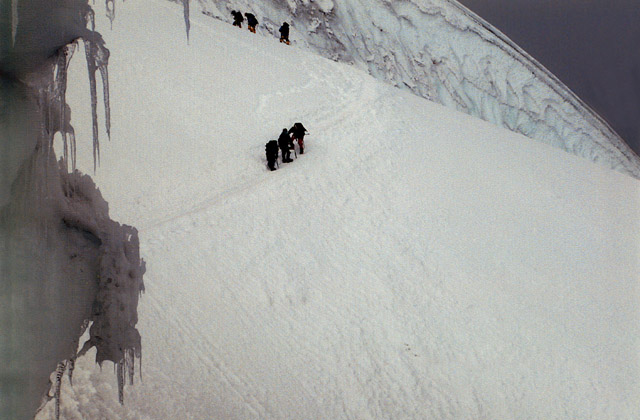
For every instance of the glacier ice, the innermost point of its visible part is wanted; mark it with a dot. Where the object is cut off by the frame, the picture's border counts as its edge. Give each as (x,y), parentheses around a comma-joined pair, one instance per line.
(87,268)
(63,261)
(440,50)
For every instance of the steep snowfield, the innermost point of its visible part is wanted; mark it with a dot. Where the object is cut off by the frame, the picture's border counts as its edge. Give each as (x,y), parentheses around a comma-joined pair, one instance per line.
(415,263)
(440,50)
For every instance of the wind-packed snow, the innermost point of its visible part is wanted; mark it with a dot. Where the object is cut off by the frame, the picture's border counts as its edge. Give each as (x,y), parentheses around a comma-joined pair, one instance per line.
(442,51)
(415,262)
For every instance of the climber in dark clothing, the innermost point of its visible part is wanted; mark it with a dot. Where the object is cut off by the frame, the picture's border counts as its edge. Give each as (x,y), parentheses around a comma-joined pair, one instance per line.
(251,22)
(284,33)
(271,149)
(298,131)
(284,141)
(237,18)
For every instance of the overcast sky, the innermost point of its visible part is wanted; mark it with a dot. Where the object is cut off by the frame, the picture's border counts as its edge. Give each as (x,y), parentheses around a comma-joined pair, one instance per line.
(593,46)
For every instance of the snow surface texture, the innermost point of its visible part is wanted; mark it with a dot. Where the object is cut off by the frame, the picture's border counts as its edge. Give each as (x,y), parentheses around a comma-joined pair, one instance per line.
(442,51)
(64,263)
(415,262)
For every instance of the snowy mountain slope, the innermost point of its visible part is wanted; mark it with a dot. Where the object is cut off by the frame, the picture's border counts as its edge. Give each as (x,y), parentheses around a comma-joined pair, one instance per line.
(442,51)
(414,263)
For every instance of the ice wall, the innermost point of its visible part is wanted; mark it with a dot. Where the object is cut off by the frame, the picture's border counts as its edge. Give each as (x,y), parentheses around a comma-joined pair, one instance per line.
(64,263)
(440,50)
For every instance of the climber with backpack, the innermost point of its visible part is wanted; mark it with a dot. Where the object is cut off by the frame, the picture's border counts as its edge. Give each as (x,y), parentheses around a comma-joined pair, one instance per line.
(284,141)
(271,149)
(298,131)
(284,33)
(237,18)
(251,22)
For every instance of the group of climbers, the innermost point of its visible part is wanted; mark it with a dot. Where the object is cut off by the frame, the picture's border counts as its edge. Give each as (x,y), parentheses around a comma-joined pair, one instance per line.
(252,22)
(285,144)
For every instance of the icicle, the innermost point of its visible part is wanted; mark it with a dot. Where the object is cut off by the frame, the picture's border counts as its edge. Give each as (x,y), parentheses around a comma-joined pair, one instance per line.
(44,103)
(60,92)
(46,126)
(185,4)
(58,386)
(91,67)
(72,141)
(98,58)
(72,365)
(120,369)
(102,61)
(130,364)
(111,10)
(90,17)
(60,86)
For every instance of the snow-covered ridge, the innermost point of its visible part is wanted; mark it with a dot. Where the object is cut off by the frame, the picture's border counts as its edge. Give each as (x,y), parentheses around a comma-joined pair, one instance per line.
(440,50)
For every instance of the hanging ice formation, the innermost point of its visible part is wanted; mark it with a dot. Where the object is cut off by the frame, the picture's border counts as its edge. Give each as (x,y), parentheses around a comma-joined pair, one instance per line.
(187,23)
(111,10)
(97,59)
(56,237)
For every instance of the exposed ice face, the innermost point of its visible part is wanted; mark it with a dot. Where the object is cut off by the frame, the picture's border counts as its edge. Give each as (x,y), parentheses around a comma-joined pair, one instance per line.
(440,50)
(64,262)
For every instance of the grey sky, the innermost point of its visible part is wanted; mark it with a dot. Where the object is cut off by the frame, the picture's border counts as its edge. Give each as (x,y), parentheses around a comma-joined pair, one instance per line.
(593,46)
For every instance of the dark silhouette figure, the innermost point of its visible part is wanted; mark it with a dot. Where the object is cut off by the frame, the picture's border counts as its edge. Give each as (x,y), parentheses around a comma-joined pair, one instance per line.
(237,18)
(284,141)
(271,149)
(298,131)
(251,22)
(284,33)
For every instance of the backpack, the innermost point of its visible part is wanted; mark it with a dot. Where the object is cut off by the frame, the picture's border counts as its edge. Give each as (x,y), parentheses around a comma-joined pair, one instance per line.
(251,19)
(271,148)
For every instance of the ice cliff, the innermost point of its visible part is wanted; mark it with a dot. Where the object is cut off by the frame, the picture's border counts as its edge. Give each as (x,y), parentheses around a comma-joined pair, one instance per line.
(64,264)
(441,51)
